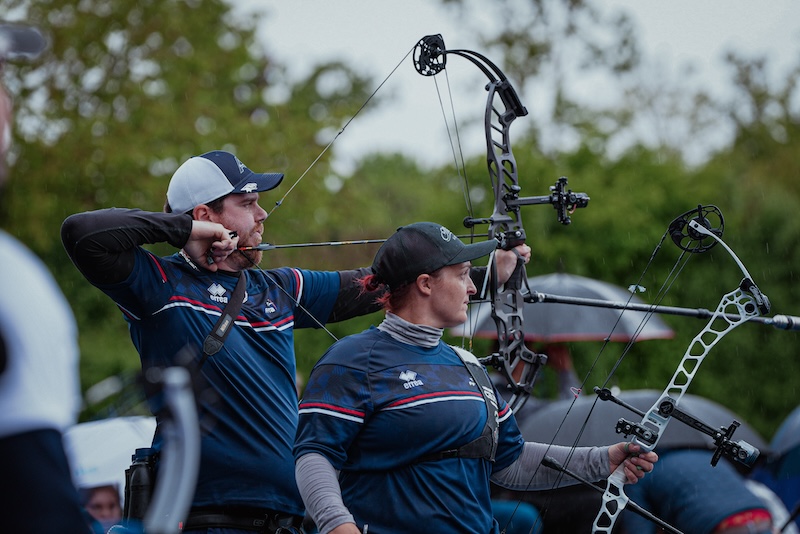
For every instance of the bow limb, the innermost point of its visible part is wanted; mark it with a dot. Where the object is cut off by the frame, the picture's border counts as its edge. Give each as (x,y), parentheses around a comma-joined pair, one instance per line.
(734,309)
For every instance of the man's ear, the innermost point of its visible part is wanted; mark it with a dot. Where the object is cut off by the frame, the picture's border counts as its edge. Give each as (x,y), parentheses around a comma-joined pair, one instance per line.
(201,212)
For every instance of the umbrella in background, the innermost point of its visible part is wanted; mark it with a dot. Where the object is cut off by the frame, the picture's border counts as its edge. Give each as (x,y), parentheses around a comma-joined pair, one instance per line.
(549,322)
(600,429)
(20,42)
(99,452)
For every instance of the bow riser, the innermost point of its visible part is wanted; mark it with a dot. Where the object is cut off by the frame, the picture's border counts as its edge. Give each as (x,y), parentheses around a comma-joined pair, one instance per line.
(505,225)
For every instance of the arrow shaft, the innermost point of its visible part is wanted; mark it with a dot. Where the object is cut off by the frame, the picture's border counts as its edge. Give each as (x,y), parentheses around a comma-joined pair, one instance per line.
(270,246)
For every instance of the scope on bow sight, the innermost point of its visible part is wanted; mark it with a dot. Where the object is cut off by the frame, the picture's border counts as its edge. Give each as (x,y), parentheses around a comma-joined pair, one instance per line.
(564,200)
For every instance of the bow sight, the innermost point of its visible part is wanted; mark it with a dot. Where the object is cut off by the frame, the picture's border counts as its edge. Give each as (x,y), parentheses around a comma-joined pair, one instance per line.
(563,200)
(739,451)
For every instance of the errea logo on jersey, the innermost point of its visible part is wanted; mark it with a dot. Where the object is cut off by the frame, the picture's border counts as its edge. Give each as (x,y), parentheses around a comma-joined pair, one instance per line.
(410,378)
(488,393)
(217,293)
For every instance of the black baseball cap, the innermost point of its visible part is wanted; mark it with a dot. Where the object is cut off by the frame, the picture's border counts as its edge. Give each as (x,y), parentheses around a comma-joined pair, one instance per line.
(422,248)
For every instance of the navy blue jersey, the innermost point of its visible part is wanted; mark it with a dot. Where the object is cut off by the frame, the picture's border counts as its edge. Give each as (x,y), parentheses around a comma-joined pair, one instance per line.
(373,406)
(171,306)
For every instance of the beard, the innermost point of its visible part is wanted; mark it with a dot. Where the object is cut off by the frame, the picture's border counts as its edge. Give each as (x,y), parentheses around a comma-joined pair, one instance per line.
(252,257)
(249,259)
(240,260)
(246,259)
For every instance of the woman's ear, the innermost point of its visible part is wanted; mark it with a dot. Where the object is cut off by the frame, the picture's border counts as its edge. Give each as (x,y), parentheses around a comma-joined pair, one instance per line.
(423,283)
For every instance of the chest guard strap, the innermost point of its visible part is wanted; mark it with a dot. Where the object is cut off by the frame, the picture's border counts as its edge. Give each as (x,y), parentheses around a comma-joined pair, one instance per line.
(485,445)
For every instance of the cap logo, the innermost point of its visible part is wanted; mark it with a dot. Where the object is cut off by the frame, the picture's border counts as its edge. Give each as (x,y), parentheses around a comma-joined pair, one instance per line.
(239,164)
(446,234)
(249,187)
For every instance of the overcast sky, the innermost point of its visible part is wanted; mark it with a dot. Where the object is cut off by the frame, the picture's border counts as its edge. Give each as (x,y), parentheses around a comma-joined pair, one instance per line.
(377,36)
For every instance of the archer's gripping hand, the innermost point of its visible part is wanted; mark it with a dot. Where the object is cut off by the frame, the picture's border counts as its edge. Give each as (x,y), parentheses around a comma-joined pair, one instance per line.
(210,243)
(507,260)
(635,462)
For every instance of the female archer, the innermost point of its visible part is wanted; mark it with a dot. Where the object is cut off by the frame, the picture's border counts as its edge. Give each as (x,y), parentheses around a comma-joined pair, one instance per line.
(407,419)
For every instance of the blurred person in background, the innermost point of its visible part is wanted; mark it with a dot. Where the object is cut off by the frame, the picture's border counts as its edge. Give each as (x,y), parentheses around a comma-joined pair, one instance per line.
(39,384)
(103,504)
(686,491)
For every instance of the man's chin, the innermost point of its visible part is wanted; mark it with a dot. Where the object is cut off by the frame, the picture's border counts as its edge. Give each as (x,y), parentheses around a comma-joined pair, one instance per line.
(252,258)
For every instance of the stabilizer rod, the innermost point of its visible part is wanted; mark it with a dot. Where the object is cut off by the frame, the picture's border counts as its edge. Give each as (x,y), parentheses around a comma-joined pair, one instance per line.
(781,322)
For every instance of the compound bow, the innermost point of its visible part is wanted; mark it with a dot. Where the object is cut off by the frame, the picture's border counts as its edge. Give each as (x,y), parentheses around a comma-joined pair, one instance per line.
(503,106)
(692,232)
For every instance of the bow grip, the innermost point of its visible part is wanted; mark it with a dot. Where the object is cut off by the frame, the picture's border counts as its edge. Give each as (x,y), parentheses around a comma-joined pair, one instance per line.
(511,238)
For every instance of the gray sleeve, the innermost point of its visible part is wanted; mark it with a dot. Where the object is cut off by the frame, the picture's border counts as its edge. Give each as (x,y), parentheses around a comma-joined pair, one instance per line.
(527,473)
(319,487)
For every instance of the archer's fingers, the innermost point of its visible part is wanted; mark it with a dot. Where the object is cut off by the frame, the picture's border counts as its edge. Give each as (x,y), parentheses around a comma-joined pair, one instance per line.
(222,248)
(638,465)
(523,252)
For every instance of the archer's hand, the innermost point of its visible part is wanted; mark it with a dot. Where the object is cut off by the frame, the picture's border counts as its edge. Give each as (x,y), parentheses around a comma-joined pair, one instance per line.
(636,463)
(210,240)
(506,260)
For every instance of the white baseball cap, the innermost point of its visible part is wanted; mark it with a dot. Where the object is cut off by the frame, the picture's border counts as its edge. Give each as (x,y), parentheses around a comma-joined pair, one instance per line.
(205,178)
